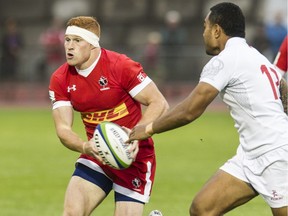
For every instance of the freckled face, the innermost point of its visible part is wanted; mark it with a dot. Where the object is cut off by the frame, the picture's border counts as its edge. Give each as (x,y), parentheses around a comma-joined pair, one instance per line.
(78,51)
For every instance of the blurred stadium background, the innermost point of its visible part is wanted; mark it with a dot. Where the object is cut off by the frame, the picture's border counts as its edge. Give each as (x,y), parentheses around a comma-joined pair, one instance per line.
(133,27)
(32,183)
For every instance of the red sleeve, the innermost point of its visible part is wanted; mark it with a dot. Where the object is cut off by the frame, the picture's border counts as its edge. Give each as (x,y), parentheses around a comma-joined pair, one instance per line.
(57,87)
(132,73)
(282,58)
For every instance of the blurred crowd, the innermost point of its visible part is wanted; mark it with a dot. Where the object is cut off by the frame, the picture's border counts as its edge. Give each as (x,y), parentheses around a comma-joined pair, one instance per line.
(162,54)
(269,36)
(11,46)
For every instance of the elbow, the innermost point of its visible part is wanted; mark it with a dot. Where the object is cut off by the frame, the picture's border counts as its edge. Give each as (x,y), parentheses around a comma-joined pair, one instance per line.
(165,106)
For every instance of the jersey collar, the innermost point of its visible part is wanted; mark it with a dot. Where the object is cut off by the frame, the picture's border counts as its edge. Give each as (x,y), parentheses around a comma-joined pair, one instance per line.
(235,40)
(88,70)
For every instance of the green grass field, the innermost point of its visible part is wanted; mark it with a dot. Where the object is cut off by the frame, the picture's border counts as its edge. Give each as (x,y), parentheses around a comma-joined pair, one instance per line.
(35,167)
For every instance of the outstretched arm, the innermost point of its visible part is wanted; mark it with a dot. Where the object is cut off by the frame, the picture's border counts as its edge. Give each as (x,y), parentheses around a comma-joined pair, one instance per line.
(185,112)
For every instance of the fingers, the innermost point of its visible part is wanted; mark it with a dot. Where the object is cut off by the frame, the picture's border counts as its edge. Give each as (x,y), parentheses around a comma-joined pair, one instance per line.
(138,133)
(134,149)
(99,158)
(127,130)
(90,149)
(130,140)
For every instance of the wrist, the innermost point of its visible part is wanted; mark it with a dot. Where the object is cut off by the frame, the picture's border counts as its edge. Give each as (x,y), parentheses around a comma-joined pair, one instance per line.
(83,147)
(149,129)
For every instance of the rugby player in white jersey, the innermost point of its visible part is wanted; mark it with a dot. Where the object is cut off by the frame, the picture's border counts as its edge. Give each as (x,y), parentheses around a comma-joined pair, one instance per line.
(249,84)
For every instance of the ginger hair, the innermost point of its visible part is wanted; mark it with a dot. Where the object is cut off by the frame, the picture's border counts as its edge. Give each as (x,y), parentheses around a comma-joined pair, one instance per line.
(87,22)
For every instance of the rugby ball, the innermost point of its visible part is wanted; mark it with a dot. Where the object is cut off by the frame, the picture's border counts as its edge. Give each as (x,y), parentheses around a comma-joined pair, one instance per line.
(110,141)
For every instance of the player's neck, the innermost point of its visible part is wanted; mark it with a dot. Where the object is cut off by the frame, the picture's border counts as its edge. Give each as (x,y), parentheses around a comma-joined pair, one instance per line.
(94,55)
(87,70)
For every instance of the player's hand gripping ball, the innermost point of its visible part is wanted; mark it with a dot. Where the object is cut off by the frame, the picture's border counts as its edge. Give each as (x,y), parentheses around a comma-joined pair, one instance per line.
(110,141)
(155,213)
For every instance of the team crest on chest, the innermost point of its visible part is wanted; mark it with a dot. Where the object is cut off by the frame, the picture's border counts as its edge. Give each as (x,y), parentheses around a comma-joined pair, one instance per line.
(103,82)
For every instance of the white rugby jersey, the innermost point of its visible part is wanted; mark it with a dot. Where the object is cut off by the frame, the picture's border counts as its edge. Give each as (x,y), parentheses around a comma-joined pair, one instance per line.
(249,84)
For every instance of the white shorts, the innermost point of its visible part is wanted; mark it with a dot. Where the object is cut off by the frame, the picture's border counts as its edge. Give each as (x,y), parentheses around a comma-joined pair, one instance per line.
(267,174)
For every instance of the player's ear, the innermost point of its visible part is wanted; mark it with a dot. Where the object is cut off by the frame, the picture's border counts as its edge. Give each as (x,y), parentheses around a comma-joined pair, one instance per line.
(217,31)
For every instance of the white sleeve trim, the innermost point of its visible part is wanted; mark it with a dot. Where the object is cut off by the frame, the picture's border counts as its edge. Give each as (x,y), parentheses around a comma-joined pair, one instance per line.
(140,87)
(58,104)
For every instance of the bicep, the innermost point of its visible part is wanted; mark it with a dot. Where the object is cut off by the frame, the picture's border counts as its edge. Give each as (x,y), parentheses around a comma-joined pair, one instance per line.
(154,101)
(149,94)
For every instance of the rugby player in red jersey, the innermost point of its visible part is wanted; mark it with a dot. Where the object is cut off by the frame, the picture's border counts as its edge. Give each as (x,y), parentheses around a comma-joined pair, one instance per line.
(103,86)
(281,62)
(282,57)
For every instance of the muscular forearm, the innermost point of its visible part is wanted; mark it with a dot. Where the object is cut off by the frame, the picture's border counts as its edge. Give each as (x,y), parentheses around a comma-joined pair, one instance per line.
(176,117)
(70,139)
(73,142)
(188,110)
(63,119)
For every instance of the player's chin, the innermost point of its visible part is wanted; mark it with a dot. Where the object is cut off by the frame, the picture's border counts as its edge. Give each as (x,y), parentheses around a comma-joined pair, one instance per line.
(71,61)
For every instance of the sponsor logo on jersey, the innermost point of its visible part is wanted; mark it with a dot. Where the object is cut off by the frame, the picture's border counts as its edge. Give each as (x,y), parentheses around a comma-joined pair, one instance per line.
(70,88)
(106,115)
(103,82)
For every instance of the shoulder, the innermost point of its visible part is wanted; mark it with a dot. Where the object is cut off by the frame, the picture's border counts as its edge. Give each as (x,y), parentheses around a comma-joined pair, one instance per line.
(63,72)
(63,69)
(237,51)
(114,56)
(118,61)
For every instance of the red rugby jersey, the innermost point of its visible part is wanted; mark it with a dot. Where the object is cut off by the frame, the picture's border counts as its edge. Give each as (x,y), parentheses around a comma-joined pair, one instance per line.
(105,94)
(282,56)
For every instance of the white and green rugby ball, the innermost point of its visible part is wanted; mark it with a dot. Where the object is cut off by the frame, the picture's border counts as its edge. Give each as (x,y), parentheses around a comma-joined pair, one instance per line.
(110,141)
